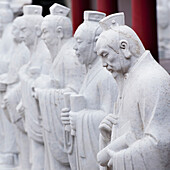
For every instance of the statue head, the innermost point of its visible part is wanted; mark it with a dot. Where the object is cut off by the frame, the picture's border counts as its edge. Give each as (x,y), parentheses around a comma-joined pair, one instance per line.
(31,24)
(56,26)
(6,16)
(16,28)
(118,45)
(86,36)
(6,13)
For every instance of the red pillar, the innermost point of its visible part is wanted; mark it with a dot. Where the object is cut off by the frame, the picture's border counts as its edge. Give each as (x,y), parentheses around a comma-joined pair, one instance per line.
(145,25)
(107,6)
(78,8)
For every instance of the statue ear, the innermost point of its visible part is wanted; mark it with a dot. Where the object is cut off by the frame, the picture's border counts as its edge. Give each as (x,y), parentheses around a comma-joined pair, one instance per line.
(59,31)
(124,48)
(38,31)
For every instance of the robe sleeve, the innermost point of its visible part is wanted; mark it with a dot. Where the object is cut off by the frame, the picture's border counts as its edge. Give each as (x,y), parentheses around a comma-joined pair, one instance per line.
(108,94)
(88,120)
(14,97)
(152,149)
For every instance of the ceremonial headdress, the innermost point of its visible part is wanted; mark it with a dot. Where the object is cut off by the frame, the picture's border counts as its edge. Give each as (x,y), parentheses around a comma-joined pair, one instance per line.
(32,10)
(93,16)
(4,5)
(57,9)
(112,20)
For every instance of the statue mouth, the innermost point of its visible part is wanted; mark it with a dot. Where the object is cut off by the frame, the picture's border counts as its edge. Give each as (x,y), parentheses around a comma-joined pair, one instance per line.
(77,54)
(110,69)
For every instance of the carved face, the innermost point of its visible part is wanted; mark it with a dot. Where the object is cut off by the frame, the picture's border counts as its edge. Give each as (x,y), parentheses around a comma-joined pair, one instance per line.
(110,56)
(83,46)
(115,52)
(28,33)
(49,33)
(16,32)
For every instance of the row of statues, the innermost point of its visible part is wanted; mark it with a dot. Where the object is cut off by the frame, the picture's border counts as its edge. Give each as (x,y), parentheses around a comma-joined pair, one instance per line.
(96,101)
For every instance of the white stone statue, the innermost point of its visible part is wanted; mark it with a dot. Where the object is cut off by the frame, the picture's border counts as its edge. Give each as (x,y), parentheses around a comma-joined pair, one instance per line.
(20,56)
(17,5)
(6,43)
(95,99)
(66,75)
(139,127)
(8,147)
(39,63)
(163,12)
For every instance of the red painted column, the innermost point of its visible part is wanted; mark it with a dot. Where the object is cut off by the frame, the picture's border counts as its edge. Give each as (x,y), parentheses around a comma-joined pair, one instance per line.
(78,8)
(107,6)
(145,24)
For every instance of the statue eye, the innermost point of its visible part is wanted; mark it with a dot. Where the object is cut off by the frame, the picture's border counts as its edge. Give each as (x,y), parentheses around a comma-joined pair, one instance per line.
(23,30)
(104,54)
(45,31)
(79,41)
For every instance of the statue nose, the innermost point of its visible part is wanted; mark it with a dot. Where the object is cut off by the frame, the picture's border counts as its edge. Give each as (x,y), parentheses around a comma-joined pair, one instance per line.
(21,36)
(43,37)
(105,64)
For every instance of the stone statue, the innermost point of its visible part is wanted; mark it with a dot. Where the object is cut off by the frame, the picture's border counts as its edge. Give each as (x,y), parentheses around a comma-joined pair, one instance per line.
(163,11)
(40,62)
(66,75)
(96,97)
(8,147)
(17,6)
(139,127)
(13,94)
(6,43)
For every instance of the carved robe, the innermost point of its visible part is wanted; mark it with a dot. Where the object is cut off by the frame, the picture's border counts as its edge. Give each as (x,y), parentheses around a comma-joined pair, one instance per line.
(100,92)
(143,110)
(39,64)
(11,79)
(19,57)
(6,48)
(68,74)
(6,44)
(28,74)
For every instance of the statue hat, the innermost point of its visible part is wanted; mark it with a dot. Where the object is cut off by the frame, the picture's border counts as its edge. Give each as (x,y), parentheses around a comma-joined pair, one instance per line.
(32,10)
(57,9)
(4,5)
(93,16)
(112,20)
